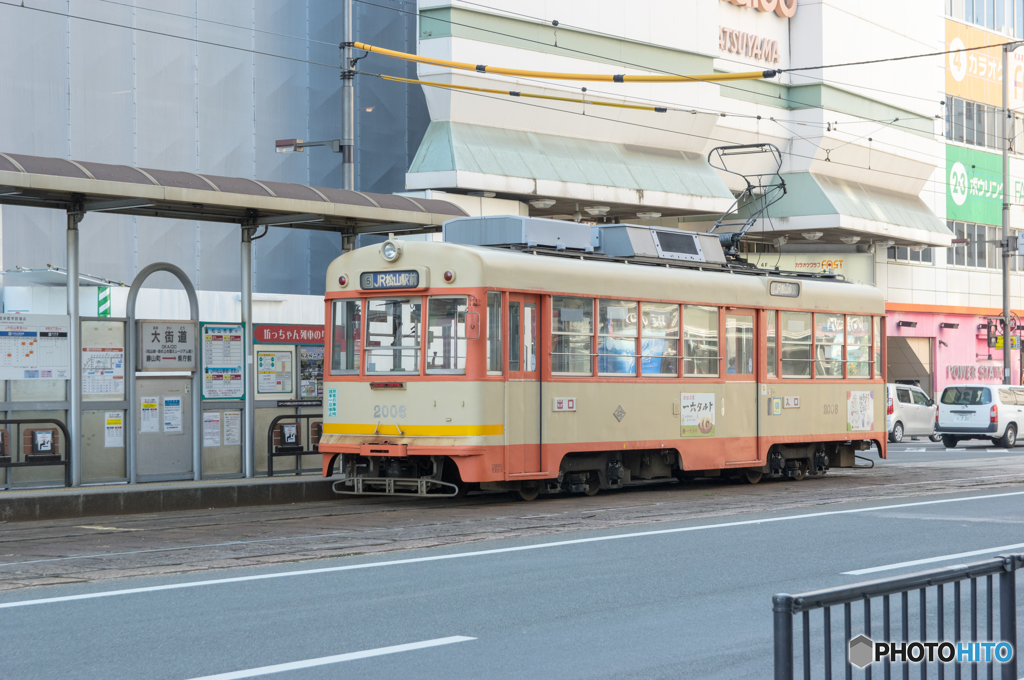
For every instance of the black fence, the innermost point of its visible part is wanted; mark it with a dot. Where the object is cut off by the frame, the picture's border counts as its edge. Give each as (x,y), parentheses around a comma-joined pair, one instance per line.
(295,442)
(35,447)
(923,603)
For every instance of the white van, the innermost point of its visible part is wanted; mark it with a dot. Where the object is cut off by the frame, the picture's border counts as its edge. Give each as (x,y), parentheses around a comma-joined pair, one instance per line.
(980,412)
(909,411)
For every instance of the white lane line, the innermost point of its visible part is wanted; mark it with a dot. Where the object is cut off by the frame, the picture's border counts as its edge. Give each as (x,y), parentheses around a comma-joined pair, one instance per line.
(338,658)
(495,551)
(929,560)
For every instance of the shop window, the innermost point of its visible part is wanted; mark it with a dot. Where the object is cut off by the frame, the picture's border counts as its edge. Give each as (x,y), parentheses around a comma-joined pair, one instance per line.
(345,336)
(858,346)
(969,123)
(572,324)
(770,324)
(700,341)
(958,117)
(659,340)
(446,335)
(912,254)
(828,339)
(393,335)
(616,337)
(972,260)
(494,333)
(797,340)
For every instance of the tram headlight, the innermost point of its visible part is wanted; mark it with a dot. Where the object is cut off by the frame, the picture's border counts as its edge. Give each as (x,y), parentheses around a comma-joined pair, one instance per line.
(390,250)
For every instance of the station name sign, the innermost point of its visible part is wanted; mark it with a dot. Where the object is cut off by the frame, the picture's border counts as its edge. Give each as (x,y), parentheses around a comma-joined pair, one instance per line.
(409,278)
(784,8)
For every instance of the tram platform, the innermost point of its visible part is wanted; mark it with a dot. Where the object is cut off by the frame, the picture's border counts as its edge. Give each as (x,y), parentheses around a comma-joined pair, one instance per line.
(28,504)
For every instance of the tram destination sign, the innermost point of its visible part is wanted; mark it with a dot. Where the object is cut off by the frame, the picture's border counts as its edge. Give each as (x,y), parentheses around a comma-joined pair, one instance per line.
(406,278)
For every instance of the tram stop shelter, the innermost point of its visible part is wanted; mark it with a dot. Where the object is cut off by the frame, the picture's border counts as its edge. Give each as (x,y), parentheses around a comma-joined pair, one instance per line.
(79,188)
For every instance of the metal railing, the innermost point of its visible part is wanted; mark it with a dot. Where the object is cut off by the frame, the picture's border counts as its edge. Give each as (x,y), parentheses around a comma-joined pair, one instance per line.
(292,450)
(40,460)
(925,616)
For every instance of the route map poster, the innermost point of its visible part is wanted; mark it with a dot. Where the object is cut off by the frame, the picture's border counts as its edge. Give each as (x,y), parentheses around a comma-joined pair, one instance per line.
(103,370)
(697,414)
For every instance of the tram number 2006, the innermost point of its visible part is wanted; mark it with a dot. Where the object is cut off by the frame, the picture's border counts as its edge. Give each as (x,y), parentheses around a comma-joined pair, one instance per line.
(830,409)
(389,411)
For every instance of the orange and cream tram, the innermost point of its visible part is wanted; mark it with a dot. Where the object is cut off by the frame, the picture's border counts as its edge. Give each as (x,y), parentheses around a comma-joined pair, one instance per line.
(538,356)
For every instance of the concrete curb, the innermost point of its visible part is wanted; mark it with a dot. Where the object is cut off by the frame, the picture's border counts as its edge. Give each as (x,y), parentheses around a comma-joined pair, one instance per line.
(47,504)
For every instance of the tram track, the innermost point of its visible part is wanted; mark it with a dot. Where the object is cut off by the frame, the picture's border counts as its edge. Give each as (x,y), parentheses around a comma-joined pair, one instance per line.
(66,551)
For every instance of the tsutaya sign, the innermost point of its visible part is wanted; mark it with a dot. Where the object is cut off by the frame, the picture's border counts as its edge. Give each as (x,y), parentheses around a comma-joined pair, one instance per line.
(784,8)
(748,44)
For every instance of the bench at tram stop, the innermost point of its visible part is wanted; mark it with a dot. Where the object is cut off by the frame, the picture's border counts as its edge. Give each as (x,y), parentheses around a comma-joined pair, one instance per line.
(293,436)
(40,445)
(949,609)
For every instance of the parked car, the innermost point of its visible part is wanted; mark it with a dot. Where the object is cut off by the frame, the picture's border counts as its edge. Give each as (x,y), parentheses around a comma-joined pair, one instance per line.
(980,412)
(909,412)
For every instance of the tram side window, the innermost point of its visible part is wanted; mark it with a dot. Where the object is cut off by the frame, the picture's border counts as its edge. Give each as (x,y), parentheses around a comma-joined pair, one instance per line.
(829,338)
(572,324)
(446,335)
(858,346)
(878,347)
(494,333)
(393,335)
(700,341)
(346,336)
(796,344)
(660,339)
(771,342)
(617,333)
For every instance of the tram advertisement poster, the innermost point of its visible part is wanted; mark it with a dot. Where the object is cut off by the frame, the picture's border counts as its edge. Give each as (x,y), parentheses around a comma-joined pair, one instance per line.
(860,411)
(697,414)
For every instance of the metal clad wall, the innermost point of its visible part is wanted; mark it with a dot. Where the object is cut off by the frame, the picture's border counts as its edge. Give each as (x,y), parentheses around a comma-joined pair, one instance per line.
(91,88)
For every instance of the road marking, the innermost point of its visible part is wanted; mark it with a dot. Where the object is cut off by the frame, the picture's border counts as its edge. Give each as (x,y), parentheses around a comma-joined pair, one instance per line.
(494,551)
(338,658)
(929,560)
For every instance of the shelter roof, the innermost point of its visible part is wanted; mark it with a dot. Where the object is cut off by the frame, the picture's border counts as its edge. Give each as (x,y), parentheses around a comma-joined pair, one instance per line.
(64,184)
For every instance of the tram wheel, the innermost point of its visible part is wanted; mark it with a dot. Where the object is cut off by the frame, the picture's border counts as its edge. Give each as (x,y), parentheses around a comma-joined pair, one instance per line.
(525,493)
(593,484)
(800,472)
(752,475)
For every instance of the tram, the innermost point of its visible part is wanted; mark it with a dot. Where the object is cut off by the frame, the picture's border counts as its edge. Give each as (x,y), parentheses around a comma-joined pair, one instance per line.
(538,356)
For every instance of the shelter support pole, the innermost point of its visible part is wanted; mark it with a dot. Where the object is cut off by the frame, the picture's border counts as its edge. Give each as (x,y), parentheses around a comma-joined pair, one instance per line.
(75,341)
(248,369)
(348,99)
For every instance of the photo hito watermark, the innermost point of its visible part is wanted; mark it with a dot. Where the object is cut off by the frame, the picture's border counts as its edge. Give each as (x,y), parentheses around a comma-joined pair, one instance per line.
(864,651)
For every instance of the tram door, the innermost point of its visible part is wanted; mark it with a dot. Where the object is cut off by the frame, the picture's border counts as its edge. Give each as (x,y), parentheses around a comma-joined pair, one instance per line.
(523,399)
(740,388)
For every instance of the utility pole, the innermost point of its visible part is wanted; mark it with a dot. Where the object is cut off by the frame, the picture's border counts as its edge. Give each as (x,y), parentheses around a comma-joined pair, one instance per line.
(1005,245)
(348,100)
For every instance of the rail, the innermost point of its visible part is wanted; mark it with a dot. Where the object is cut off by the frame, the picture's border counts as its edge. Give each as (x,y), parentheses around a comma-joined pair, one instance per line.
(39,459)
(938,652)
(296,450)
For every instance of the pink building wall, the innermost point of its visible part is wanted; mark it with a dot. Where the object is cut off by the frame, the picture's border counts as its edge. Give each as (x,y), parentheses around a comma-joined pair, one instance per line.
(961,356)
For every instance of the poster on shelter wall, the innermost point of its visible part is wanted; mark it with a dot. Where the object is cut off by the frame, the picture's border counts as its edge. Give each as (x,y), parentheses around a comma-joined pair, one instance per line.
(211,428)
(860,411)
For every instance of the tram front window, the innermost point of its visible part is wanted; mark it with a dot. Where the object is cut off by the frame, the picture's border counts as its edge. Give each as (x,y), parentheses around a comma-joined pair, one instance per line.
(346,336)
(393,335)
(446,335)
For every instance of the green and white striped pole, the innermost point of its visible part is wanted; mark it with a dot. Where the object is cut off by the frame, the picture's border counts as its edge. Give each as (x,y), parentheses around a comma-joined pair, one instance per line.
(103,301)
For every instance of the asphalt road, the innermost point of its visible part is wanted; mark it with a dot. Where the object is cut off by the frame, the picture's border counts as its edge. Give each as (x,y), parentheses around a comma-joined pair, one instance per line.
(666,600)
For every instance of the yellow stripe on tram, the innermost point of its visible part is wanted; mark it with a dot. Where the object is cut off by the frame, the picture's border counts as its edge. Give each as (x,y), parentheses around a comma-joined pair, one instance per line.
(415,430)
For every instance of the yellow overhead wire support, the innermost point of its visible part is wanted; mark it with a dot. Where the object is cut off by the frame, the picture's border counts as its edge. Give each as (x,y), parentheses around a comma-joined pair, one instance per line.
(513,93)
(601,77)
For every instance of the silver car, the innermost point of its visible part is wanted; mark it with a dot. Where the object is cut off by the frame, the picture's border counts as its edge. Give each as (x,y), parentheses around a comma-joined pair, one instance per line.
(909,412)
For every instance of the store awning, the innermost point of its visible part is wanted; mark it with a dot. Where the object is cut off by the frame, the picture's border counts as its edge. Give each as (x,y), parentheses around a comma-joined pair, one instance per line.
(528,165)
(843,208)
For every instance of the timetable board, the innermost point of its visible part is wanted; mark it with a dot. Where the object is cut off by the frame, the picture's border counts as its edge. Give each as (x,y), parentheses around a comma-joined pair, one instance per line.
(35,347)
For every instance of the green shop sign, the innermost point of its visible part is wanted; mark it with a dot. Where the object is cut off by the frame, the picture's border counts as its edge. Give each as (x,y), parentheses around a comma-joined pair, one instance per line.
(974,185)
